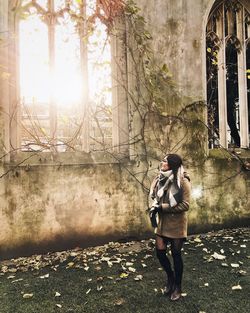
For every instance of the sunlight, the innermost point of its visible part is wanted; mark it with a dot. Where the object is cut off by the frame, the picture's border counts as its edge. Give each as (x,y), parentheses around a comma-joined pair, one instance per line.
(58,81)
(35,77)
(65,85)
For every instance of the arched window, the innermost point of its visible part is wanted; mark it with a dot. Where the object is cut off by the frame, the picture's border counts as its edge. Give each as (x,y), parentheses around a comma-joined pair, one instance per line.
(66,77)
(227,51)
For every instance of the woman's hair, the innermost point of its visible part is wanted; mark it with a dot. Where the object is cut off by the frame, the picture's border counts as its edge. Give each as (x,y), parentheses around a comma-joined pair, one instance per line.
(174,162)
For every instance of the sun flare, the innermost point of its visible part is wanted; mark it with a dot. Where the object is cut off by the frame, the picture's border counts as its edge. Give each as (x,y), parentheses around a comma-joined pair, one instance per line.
(65,82)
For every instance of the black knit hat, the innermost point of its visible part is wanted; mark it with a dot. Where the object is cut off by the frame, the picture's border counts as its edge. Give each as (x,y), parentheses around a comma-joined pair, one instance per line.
(174,161)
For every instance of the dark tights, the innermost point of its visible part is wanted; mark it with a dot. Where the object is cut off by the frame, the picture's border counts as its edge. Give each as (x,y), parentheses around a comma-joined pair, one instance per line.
(176,246)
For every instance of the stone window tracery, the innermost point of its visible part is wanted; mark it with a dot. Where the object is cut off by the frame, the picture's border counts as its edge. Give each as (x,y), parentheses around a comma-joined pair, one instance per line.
(227,51)
(65,93)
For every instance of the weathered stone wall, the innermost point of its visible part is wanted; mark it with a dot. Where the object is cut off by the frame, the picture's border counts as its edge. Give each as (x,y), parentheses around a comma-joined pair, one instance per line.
(50,204)
(220,186)
(82,204)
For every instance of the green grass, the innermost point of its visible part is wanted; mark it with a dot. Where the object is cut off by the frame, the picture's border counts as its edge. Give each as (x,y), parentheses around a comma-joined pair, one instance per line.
(68,277)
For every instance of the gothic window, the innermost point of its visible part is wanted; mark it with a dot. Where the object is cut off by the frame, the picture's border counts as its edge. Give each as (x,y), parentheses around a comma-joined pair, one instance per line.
(65,92)
(228,69)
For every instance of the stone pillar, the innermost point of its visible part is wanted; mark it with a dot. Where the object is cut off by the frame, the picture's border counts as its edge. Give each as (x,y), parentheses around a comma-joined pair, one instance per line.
(4,81)
(242,81)
(222,93)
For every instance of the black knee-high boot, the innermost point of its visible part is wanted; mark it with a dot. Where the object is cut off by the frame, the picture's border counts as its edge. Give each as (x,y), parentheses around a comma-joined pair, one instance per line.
(178,270)
(165,263)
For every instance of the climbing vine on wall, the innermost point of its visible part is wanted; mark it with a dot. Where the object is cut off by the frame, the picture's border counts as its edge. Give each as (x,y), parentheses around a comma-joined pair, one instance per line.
(161,120)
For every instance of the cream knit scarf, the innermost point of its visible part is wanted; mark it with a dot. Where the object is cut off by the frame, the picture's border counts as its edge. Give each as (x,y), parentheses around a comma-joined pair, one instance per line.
(166,184)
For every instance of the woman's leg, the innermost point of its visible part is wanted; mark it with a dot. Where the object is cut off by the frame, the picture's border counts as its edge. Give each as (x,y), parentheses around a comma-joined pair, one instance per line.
(176,246)
(161,249)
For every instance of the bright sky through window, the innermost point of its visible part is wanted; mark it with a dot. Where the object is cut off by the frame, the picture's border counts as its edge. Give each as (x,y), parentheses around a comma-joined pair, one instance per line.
(66,88)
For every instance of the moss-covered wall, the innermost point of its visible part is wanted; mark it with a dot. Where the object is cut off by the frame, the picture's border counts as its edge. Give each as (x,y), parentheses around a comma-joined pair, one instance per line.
(220,184)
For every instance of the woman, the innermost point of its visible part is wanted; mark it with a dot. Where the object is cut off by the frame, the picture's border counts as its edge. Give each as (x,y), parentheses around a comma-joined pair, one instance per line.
(171,193)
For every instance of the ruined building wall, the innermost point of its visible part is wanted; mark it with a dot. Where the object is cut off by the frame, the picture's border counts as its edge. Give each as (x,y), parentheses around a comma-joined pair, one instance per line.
(86,199)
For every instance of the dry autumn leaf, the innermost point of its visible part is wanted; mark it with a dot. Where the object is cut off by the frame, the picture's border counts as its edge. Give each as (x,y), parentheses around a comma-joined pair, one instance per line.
(237,287)
(218,256)
(123,275)
(138,277)
(235,265)
(27,295)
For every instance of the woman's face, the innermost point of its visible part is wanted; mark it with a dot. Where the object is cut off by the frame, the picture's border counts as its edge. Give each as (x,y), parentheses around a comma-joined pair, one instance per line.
(165,166)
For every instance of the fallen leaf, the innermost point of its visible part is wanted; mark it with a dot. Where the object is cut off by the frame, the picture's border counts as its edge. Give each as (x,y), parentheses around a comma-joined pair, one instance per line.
(138,277)
(197,239)
(88,291)
(12,270)
(44,276)
(11,277)
(129,264)
(224,264)
(234,265)
(237,287)
(119,302)
(123,275)
(16,280)
(57,294)
(27,295)
(242,273)
(218,256)
(132,269)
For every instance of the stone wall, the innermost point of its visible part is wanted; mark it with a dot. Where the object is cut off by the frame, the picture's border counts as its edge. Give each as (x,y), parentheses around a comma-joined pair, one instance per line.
(53,205)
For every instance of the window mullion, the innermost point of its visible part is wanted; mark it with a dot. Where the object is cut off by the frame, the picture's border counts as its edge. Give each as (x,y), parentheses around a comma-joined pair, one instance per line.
(4,83)
(52,105)
(84,109)
(13,85)
(119,88)
(222,94)
(242,81)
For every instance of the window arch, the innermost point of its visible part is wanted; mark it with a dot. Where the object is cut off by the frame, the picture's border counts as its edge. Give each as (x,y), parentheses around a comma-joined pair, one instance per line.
(227,55)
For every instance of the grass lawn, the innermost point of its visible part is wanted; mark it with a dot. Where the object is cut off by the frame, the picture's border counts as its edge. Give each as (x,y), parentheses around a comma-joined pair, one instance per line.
(126,277)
